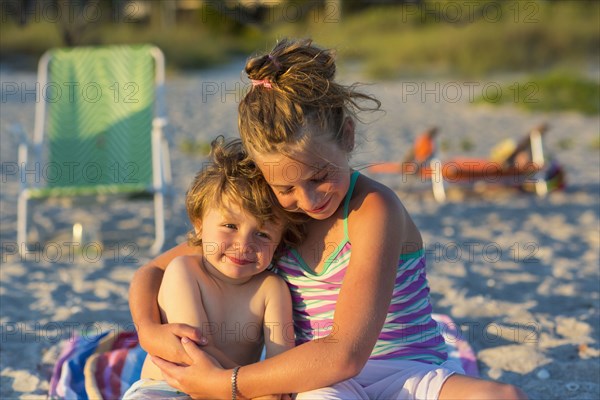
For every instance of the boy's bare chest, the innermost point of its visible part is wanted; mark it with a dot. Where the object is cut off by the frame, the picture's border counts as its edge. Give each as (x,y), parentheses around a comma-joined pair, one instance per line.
(235,319)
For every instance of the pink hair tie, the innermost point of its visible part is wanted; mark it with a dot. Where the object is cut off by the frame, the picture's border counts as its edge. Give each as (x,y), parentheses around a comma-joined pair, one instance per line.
(262,82)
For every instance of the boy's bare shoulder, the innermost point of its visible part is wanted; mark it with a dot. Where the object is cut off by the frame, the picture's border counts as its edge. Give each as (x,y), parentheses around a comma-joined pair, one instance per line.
(269,278)
(270,281)
(187,258)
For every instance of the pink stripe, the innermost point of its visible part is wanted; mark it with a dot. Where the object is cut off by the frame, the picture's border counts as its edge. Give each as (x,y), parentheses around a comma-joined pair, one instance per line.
(69,349)
(331,297)
(334,279)
(316,311)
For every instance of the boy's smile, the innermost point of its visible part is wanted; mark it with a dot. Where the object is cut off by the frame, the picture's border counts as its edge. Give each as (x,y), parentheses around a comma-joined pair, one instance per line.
(235,246)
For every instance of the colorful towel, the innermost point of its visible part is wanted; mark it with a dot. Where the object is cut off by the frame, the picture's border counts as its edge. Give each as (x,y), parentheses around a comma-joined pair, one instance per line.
(104,366)
(97,366)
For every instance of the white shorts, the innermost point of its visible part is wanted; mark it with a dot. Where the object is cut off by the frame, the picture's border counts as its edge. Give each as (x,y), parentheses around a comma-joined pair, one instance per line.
(390,379)
(151,389)
(378,380)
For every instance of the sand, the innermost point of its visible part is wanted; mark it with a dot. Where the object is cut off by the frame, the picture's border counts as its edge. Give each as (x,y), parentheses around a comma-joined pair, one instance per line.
(518,273)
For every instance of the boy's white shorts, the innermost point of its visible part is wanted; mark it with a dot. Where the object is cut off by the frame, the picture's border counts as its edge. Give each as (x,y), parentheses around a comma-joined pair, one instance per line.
(150,389)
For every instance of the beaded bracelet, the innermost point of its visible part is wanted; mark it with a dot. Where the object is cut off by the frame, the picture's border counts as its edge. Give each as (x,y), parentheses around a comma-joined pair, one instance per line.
(234,388)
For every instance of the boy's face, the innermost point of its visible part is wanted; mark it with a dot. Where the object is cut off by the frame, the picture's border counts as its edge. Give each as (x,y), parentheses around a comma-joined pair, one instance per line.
(235,247)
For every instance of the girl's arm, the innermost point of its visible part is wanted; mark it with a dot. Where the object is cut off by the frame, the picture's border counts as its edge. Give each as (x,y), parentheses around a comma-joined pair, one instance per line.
(155,338)
(376,232)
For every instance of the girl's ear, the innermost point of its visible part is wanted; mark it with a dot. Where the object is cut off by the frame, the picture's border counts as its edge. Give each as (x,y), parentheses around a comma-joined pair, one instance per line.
(348,135)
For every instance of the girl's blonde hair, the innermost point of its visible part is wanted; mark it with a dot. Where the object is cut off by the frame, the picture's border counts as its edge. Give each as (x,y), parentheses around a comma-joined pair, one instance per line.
(293,88)
(232,178)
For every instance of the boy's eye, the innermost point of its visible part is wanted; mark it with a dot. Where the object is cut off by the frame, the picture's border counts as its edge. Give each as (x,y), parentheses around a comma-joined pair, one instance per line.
(230,226)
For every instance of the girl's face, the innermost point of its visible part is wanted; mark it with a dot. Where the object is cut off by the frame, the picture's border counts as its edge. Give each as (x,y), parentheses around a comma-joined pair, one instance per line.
(235,247)
(313,181)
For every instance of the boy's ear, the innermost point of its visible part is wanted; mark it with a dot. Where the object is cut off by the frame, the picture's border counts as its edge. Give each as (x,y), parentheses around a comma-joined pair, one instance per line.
(348,134)
(198,228)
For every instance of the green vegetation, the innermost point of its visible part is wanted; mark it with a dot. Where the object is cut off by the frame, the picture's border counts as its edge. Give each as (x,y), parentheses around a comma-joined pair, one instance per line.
(565,144)
(463,38)
(554,91)
(205,39)
(471,38)
(195,147)
(467,145)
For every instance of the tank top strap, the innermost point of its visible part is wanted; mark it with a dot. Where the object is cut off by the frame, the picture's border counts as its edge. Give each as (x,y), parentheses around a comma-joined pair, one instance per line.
(353,179)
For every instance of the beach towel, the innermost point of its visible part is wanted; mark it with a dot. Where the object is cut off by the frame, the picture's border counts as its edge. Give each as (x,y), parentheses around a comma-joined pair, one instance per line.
(101,366)
(104,366)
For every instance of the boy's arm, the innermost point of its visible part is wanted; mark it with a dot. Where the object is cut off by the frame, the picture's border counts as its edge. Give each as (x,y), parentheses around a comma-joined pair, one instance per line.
(278,324)
(155,338)
(180,302)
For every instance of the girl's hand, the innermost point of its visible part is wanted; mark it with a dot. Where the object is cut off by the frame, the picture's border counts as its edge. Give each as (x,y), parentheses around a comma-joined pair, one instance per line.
(215,381)
(164,340)
(201,379)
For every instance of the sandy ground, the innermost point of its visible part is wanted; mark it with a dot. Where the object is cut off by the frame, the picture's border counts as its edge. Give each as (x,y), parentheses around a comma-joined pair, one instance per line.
(520,274)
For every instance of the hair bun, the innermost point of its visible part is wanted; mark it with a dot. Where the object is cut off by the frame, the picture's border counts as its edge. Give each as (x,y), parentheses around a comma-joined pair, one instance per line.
(266,67)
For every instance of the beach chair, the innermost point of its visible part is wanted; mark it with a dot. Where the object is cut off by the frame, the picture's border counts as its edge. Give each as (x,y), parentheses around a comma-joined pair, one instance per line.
(524,166)
(98,130)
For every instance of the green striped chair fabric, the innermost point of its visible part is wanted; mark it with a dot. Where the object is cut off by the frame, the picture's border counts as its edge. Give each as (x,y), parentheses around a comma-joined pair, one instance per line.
(98,118)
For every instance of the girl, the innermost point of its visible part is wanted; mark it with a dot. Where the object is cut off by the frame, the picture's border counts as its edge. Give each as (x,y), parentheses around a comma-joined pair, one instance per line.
(361,300)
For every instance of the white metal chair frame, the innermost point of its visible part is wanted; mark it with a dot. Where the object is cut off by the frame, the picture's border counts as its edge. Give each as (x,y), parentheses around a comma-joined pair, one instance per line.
(161,163)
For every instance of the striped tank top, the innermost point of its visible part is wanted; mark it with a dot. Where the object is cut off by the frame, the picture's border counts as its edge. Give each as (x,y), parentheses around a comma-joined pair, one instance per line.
(409,332)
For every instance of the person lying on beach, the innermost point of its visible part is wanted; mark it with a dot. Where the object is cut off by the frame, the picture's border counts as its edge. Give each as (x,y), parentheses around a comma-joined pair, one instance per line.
(226,291)
(362,311)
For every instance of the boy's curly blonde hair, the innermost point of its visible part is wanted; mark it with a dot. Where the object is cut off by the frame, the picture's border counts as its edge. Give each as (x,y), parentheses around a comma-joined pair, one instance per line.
(231,177)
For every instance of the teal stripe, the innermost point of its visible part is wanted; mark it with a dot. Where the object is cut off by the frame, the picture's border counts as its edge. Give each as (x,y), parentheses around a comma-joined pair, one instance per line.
(333,257)
(414,254)
(353,179)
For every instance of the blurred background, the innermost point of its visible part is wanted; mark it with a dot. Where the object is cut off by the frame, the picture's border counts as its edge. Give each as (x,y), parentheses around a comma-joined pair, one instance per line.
(556,41)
